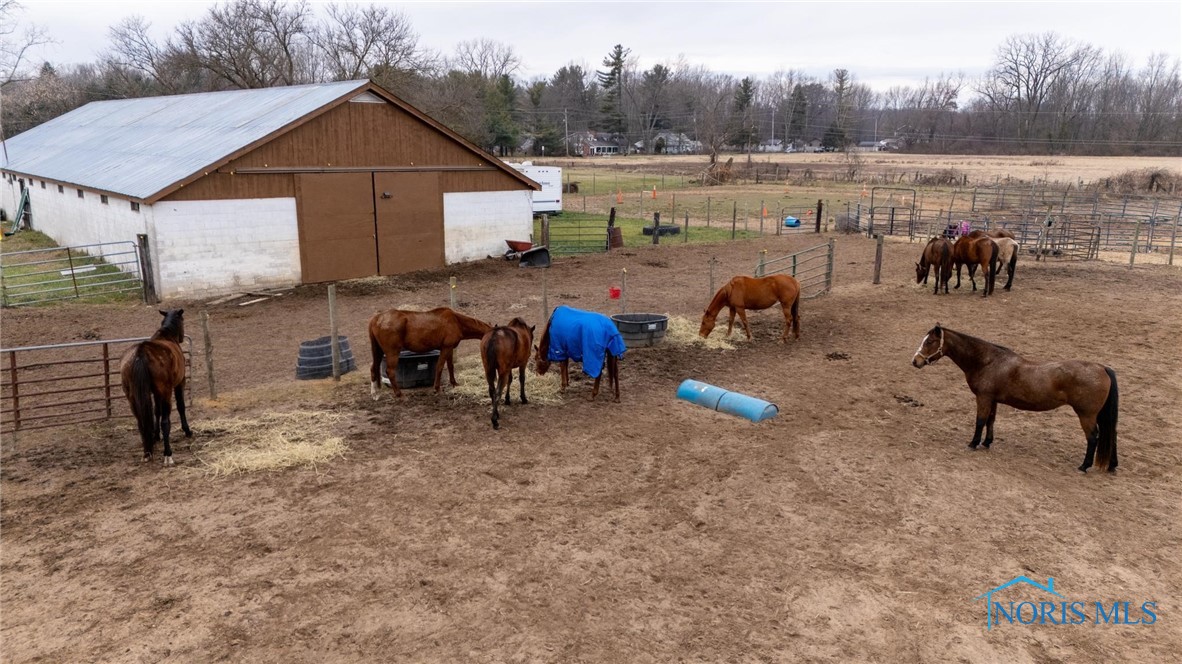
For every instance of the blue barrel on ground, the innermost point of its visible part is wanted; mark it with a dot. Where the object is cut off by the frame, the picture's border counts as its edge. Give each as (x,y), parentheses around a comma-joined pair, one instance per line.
(725,401)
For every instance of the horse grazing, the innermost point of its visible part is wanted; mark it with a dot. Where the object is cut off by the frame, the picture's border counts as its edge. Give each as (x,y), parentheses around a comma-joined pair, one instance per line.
(999,375)
(502,350)
(938,252)
(743,293)
(442,329)
(583,336)
(978,251)
(152,372)
(1007,255)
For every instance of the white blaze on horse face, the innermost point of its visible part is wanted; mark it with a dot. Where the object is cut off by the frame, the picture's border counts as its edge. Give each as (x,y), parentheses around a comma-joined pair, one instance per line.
(919,352)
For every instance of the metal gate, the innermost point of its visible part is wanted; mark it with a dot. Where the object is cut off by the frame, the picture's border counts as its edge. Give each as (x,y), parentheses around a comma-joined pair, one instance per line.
(812,268)
(63,273)
(66,384)
(576,236)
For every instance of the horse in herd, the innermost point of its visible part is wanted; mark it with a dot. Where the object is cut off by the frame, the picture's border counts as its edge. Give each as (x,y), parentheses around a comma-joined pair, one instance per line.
(153,371)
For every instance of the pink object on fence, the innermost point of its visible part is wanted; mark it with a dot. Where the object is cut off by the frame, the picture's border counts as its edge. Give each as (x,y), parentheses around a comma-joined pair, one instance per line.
(965,228)
(613,293)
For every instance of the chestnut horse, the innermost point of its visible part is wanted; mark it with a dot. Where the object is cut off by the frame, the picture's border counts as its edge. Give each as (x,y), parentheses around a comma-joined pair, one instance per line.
(999,375)
(502,350)
(442,329)
(584,335)
(152,372)
(938,252)
(976,251)
(743,293)
(1007,255)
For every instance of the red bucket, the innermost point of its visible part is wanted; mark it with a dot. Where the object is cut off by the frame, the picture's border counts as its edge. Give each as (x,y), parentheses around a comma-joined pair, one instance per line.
(613,293)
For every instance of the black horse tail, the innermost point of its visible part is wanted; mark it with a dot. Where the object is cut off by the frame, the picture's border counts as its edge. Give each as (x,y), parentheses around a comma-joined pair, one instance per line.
(142,403)
(1106,423)
(1013,260)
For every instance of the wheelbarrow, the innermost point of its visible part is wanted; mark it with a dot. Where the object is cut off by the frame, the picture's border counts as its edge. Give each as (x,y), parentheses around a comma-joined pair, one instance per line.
(527,254)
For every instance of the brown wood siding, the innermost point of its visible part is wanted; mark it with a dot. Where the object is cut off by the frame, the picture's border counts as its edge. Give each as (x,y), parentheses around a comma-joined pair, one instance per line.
(353,135)
(222,186)
(409,208)
(363,135)
(336,225)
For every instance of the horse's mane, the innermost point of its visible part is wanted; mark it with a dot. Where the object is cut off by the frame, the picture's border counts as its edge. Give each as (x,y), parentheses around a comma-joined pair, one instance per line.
(544,342)
(171,328)
(720,298)
(974,340)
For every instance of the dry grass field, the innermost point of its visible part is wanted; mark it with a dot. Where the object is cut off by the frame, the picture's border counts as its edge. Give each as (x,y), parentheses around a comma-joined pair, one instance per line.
(980,169)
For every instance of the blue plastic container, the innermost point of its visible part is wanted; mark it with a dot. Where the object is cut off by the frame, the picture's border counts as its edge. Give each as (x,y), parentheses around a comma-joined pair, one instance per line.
(724,401)
(791,222)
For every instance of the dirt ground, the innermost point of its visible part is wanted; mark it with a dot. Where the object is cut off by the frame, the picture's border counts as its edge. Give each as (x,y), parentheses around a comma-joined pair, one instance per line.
(855,526)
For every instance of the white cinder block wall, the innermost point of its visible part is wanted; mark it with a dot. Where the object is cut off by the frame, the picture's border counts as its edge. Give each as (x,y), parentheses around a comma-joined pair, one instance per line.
(212,247)
(476,224)
(73,221)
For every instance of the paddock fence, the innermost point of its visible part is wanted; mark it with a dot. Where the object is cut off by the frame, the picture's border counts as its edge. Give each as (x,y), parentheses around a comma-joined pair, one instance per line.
(812,267)
(67,384)
(37,276)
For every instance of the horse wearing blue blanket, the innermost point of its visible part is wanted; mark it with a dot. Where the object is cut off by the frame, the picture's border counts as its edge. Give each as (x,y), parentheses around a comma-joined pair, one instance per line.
(583,336)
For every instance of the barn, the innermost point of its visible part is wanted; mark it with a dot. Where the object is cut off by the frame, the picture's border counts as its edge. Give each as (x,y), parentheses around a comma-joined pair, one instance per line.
(263,188)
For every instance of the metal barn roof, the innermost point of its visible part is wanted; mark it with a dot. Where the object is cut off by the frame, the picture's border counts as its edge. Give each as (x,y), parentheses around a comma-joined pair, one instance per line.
(139,147)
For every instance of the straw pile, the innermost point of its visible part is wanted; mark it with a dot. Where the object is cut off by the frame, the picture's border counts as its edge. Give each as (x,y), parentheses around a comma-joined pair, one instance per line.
(684,332)
(538,389)
(271,441)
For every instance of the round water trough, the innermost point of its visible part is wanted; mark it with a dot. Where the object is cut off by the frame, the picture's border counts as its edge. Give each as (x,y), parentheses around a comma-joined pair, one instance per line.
(315,360)
(640,330)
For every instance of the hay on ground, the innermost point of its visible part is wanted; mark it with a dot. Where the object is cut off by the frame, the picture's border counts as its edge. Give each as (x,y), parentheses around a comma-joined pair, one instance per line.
(538,389)
(271,441)
(684,332)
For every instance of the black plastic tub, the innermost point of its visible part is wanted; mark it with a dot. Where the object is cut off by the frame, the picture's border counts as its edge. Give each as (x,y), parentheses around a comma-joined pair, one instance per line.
(640,330)
(315,360)
(413,370)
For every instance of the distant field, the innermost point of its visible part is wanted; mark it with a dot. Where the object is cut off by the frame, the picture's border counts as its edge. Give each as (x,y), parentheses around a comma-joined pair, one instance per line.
(980,169)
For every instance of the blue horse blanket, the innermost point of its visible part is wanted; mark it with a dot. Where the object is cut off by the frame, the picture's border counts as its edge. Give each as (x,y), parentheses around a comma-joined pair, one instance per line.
(583,336)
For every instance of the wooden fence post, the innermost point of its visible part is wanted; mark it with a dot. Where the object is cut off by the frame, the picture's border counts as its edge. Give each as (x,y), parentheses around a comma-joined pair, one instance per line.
(1174,239)
(107,376)
(685,235)
(147,277)
(820,209)
(213,392)
(878,258)
(734,218)
(624,290)
(829,267)
(451,292)
(1136,239)
(332,326)
(713,261)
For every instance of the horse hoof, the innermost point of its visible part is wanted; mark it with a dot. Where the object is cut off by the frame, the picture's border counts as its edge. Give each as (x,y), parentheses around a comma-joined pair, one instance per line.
(168,461)
(375,396)
(188,433)
(1083,469)
(146,459)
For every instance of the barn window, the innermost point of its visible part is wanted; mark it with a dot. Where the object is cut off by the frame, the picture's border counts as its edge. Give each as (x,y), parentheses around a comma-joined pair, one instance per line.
(61,189)
(80,194)
(43,184)
(103,199)
(135,207)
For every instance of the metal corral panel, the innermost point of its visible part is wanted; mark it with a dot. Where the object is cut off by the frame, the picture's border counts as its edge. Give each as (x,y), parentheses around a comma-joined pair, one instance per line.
(138,147)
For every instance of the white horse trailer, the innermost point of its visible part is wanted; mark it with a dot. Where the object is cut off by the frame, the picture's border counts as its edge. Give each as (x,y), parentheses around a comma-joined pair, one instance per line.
(549,199)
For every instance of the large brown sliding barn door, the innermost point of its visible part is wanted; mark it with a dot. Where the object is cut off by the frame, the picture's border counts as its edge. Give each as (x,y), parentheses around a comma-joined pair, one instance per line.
(410,221)
(336,223)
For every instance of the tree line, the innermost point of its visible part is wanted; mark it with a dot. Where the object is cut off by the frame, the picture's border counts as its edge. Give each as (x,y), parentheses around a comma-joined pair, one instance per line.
(1043,94)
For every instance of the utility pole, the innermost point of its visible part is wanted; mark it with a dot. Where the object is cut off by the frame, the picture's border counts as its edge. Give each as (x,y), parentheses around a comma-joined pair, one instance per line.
(566,131)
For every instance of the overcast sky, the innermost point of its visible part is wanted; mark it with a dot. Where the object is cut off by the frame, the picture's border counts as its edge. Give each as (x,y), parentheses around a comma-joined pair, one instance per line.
(881,43)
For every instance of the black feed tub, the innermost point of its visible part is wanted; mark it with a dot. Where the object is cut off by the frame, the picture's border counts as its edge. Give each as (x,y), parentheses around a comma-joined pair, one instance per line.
(413,370)
(315,359)
(641,330)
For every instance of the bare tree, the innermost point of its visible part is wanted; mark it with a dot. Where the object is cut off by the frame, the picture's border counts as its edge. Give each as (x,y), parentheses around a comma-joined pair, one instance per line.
(15,43)
(487,58)
(252,43)
(1027,68)
(373,41)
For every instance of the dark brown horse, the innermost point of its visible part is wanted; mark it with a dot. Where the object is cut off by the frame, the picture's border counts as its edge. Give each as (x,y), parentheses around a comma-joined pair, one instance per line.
(743,293)
(502,350)
(974,252)
(583,336)
(938,252)
(442,329)
(152,372)
(999,375)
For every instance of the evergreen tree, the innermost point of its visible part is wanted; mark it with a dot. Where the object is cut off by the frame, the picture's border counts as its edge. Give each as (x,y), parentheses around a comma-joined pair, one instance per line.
(611,108)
